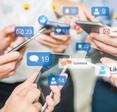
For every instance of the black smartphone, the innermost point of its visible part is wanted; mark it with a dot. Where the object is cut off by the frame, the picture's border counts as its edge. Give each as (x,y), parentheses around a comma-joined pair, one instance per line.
(42,78)
(96,55)
(89,27)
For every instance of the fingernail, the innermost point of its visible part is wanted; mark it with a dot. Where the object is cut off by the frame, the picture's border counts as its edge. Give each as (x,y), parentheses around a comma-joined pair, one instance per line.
(17,54)
(35,85)
(104,59)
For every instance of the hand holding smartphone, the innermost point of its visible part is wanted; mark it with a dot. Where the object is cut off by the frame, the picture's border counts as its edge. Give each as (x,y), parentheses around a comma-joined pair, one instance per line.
(47,29)
(42,78)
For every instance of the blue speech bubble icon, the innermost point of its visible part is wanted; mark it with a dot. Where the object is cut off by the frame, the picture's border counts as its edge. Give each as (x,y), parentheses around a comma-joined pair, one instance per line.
(39,59)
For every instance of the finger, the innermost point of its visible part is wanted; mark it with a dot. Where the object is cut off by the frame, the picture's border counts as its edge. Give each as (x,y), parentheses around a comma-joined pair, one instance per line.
(82,15)
(50,104)
(9,29)
(8,67)
(38,106)
(87,13)
(6,74)
(26,84)
(66,19)
(6,58)
(105,39)
(50,39)
(49,45)
(108,60)
(61,38)
(26,89)
(31,79)
(106,48)
(32,108)
(59,49)
(18,41)
(32,95)
(57,94)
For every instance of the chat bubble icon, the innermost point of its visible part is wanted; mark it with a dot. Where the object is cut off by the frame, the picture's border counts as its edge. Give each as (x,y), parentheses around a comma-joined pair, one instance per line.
(34,58)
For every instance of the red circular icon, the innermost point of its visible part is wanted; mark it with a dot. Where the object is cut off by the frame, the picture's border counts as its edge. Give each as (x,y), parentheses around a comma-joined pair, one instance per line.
(77,27)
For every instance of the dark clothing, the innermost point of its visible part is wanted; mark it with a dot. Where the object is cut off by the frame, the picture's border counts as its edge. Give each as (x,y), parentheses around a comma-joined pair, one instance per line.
(67,97)
(104,97)
(5,91)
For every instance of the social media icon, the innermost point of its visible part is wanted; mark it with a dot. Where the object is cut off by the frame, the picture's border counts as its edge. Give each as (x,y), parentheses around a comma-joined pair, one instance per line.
(106,30)
(83,46)
(77,27)
(24,31)
(73,11)
(54,6)
(26,6)
(39,59)
(100,11)
(102,70)
(34,58)
(55,80)
(42,20)
(62,30)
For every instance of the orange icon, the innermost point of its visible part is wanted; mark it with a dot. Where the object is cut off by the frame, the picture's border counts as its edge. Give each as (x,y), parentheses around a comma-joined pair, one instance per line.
(115,16)
(26,6)
(54,6)
(66,62)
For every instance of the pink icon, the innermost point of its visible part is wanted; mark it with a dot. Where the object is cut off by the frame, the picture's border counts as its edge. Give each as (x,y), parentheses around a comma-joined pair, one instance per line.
(106,30)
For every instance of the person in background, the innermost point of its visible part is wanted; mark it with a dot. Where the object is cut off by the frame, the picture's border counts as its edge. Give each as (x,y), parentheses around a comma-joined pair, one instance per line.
(8,61)
(13,12)
(26,94)
(104,96)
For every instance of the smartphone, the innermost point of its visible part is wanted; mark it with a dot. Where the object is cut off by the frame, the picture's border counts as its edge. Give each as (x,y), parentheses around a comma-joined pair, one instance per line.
(47,29)
(96,55)
(89,27)
(57,28)
(42,78)
(21,45)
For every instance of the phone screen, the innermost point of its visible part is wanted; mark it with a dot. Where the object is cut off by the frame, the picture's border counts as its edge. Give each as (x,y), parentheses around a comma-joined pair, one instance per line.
(42,80)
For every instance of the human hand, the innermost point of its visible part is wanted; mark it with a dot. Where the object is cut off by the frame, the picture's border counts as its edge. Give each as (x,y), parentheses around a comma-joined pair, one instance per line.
(24,98)
(7,36)
(107,62)
(56,43)
(84,13)
(104,43)
(53,101)
(8,64)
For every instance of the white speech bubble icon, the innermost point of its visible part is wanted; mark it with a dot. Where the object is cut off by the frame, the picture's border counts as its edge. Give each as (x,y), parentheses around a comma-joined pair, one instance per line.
(34,58)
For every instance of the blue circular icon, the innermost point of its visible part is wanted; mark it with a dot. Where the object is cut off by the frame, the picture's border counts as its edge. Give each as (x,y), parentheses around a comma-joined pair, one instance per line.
(42,20)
